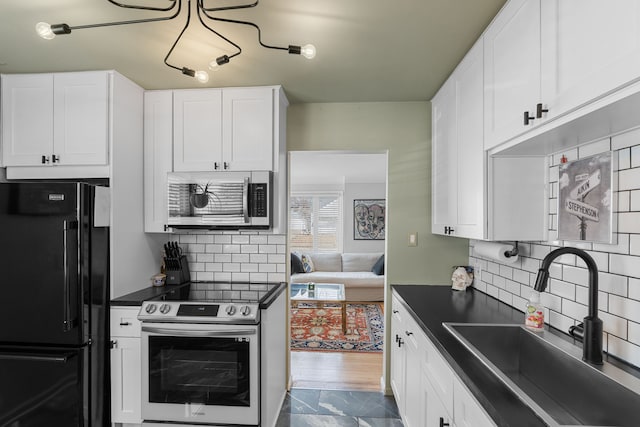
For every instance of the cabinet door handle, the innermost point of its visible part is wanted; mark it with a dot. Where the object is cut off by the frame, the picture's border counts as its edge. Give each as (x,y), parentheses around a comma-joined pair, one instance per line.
(226,165)
(216,166)
(395,311)
(448,230)
(442,423)
(113,344)
(528,118)
(45,160)
(55,159)
(400,342)
(540,110)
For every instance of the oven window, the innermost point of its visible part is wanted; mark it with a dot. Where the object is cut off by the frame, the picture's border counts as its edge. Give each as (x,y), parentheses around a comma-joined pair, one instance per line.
(211,371)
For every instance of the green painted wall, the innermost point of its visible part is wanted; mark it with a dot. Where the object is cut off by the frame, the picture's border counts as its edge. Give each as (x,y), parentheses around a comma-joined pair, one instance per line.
(404,129)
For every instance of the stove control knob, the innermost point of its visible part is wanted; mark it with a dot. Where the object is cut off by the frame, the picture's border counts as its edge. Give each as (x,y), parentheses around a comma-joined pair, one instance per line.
(245,310)
(151,308)
(165,308)
(231,310)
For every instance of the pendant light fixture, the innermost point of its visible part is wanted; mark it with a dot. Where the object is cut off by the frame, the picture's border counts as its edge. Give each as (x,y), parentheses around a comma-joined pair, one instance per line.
(172,11)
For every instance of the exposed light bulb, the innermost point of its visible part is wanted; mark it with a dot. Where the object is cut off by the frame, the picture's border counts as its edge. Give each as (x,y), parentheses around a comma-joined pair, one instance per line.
(202,76)
(308,51)
(44,30)
(215,64)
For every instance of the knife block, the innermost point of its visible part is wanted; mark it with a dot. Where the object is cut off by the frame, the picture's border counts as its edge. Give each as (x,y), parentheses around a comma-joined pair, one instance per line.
(177,270)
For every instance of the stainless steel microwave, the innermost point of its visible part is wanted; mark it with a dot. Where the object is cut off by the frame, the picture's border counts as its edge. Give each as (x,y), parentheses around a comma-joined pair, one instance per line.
(220,200)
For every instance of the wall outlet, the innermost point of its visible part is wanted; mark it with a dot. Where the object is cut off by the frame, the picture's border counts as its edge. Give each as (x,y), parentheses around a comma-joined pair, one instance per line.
(413,239)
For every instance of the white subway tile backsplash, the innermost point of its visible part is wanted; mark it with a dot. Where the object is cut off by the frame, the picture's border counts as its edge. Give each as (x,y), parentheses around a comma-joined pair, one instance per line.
(629,222)
(626,265)
(222,239)
(275,239)
(505,297)
(241,239)
(625,140)
(499,282)
(575,275)
(506,271)
(634,288)
(618,264)
(614,325)
(624,159)
(562,289)
(634,333)
(624,201)
(222,258)
(613,283)
(621,247)
(204,238)
(635,156)
(624,307)
(628,179)
(560,321)
(594,148)
(634,202)
(624,350)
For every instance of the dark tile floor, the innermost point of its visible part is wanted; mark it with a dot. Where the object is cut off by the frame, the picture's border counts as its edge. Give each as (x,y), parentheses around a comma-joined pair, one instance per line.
(333,408)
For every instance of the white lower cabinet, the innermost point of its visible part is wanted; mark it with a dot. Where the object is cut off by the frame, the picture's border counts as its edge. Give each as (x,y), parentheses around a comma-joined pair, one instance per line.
(427,391)
(126,376)
(466,410)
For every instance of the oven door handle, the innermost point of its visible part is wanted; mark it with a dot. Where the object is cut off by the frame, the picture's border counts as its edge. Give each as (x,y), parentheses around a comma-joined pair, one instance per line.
(192,333)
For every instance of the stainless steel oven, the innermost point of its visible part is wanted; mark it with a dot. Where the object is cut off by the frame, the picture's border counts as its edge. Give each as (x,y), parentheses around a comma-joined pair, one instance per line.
(200,363)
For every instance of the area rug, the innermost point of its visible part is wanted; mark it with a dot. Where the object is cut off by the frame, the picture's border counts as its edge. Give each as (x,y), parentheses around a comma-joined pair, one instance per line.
(320,329)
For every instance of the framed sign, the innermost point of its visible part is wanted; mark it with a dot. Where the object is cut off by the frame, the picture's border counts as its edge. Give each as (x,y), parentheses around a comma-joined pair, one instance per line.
(585,198)
(369,219)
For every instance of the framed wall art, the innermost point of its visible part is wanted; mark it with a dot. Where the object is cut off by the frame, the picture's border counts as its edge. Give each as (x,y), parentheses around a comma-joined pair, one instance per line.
(369,219)
(585,199)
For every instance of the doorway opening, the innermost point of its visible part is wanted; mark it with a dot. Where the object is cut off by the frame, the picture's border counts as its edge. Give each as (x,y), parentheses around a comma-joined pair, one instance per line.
(337,245)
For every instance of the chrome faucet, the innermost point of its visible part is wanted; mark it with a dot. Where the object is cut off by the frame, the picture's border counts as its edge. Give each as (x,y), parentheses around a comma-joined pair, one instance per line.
(592,339)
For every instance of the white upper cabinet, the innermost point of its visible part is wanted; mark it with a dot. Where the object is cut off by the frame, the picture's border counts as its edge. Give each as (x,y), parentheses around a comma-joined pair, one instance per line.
(545,59)
(457,152)
(55,119)
(197,130)
(158,132)
(511,70)
(223,129)
(247,131)
(469,189)
(589,48)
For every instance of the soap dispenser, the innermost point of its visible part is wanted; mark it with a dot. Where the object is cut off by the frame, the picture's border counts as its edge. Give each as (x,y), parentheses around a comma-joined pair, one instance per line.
(534,314)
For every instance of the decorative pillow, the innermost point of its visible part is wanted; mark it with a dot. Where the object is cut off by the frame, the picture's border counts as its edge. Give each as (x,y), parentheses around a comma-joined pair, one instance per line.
(296,264)
(378,267)
(307,264)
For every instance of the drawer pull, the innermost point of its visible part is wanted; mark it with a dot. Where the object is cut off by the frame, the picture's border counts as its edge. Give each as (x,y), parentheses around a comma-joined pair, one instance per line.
(408,333)
(125,323)
(442,423)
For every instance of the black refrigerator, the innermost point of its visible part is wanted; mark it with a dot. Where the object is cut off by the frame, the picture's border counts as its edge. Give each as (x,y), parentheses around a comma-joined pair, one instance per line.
(54,293)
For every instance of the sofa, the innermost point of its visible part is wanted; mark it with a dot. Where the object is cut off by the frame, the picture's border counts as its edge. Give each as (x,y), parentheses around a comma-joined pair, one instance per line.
(361,273)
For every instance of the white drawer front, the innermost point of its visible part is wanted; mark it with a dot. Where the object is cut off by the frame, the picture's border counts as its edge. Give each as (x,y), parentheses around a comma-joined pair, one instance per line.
(124,322)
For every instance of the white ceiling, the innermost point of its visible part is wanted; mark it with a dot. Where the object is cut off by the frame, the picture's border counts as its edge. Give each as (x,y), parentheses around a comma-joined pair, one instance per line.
(336,168)
(368,50)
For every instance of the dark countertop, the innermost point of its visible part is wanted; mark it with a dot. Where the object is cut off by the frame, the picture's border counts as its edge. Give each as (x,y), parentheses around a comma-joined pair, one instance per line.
(433,305)
(267,294)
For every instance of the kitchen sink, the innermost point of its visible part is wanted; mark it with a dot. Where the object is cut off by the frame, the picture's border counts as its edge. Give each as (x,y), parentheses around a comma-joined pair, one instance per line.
(547,373)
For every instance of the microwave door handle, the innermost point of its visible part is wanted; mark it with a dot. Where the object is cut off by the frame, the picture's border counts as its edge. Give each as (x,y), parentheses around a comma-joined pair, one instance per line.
(191,333)
(245,200)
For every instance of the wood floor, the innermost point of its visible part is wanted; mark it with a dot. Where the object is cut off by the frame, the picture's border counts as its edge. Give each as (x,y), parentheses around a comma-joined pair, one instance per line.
(336,371)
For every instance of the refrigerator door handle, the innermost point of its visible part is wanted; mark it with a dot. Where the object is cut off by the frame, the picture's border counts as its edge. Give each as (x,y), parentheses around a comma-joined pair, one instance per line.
(68,322)
(38,357)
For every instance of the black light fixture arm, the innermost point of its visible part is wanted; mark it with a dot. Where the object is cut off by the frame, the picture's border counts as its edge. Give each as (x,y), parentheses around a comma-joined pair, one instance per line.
(184,70)
(133,6)
(133,21)
(236,21)
(200,12)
